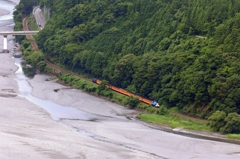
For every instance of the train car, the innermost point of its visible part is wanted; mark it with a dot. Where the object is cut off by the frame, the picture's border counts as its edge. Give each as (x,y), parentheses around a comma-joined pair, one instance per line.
(127,93)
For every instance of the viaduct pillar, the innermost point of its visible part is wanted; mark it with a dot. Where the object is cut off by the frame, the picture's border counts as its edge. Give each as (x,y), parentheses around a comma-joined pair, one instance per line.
(5,50)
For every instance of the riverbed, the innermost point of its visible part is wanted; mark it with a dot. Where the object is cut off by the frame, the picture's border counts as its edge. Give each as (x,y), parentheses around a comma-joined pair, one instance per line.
(37,122)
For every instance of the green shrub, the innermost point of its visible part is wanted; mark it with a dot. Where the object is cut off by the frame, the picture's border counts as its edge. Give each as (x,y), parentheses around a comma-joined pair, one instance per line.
(216,120)
(151,109)
(132,102)
(107,93)
(41,66)
(142,106)
(90,88)
(118,97)
(162,111)
(47,69)
(232,123)
(225,123)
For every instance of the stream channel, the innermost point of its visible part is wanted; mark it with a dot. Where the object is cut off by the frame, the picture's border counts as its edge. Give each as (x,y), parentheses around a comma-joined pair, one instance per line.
(56,111)
(106,122)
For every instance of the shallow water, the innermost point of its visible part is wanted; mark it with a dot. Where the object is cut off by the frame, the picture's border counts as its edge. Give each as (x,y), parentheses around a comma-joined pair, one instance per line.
(125,134)
(9,6)
(56,111)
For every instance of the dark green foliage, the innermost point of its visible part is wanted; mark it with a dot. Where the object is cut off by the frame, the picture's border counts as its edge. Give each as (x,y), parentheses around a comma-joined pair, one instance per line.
(184,54)
(216,120)
(41,66)
(77,83)
(132,102)
(33,58)
(18,25)
(230,123)
(23,9)
(122,75)
(106,93)
(26,6)
(103,90)
(162,111)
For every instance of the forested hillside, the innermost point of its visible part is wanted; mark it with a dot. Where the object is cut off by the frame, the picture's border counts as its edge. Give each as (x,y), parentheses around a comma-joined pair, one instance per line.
(183,53)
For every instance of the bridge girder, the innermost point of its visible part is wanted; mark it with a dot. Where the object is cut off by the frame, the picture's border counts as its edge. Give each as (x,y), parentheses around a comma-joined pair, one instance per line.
(6,33)
(18,33)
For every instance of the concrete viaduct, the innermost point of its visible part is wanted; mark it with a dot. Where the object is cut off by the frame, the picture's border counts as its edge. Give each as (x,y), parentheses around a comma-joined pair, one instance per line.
(6,33)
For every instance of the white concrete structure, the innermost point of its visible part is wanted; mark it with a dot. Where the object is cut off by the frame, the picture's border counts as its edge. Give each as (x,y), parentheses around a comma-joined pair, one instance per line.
(5,50)
(6,33)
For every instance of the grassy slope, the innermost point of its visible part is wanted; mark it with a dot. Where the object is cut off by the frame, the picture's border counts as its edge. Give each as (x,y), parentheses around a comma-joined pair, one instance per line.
(174,121)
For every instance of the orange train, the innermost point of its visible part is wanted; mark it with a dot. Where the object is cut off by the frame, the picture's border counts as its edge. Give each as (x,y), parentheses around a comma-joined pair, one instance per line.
(122,91)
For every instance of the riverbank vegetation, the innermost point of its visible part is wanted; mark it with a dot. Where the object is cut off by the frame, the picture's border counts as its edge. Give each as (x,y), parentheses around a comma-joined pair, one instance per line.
(174,121)
(159,116)
(233,136)
(183,53)
(99,90)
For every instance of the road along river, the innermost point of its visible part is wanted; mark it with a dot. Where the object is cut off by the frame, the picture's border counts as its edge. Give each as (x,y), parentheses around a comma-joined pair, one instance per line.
(40,123)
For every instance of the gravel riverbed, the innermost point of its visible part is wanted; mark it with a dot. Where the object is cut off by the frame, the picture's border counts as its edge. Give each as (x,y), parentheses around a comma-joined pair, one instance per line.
(99,129)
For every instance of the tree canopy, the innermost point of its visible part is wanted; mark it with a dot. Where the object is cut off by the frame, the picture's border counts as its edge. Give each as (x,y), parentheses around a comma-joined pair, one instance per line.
(181,53)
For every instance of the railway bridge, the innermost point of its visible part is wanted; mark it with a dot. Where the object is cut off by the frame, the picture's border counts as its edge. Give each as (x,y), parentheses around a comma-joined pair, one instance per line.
(6,33)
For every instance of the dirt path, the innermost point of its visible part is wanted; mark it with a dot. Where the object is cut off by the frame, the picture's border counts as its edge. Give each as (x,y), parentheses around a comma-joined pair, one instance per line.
(29,37)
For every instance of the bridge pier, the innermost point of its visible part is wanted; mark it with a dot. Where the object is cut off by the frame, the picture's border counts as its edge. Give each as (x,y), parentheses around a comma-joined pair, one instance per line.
(5,50)
(6,33)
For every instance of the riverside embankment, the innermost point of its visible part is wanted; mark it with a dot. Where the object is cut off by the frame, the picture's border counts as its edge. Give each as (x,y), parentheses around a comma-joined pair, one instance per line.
(40,123)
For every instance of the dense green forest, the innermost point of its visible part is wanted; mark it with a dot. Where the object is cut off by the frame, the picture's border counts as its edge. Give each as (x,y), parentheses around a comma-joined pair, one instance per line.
(182,53)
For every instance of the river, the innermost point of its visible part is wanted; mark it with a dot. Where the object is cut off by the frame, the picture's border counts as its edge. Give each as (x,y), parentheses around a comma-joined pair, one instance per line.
(72,124)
